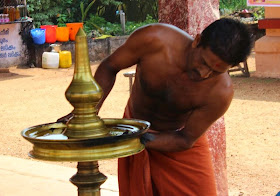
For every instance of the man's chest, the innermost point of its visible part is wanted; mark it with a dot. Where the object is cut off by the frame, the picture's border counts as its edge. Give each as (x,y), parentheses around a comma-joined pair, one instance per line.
(175,91)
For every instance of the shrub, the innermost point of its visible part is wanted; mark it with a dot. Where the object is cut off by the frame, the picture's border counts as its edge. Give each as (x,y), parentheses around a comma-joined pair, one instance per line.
(97,25)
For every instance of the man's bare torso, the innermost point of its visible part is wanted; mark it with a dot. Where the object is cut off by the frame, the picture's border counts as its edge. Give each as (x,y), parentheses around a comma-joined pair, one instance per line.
(163,93)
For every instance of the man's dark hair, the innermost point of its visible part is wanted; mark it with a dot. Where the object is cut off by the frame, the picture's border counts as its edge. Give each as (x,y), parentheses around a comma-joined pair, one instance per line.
(229,39)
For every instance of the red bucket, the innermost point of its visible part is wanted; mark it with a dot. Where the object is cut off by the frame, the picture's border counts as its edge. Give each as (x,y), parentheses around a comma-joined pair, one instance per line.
(50,33)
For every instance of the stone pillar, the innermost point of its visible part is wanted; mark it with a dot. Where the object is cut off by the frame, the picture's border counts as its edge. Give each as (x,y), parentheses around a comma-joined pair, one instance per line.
(267,48)
(193,17)
(217,141)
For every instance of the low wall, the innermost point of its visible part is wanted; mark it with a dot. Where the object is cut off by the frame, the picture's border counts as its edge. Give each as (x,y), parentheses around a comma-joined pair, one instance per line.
(14,43)
(98,48)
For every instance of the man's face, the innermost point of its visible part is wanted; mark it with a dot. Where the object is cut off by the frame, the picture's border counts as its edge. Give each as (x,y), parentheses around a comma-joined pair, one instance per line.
(205,64)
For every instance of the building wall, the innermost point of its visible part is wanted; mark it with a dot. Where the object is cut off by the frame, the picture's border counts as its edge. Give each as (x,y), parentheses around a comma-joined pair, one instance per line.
(13,52)
(98,48)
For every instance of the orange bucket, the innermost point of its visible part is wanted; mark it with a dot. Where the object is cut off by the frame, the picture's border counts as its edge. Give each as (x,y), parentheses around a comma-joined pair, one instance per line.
(73,29)
(62,34)
(50,33)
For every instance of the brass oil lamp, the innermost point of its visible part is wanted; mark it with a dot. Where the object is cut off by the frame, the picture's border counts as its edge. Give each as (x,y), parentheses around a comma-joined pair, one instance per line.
(85,138)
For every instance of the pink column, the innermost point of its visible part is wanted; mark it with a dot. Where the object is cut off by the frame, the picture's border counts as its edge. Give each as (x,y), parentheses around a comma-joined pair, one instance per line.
(193,17)
(217,141)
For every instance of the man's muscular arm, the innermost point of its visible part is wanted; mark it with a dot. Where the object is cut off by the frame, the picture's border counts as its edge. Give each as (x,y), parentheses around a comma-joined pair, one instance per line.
(127,55)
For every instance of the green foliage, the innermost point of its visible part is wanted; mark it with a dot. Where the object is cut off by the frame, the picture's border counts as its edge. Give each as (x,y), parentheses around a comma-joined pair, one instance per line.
(64,11)
(70,11)
(43,12)
(137,10)
(107,9)
(233,4)
(94,23)
(60,12)
(62,19)
(108,28)
(258,13)
(228,7)
(85,11)
(97,20)
(132,26)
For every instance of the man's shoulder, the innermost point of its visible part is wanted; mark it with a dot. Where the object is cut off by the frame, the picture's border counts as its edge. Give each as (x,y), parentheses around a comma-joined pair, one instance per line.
(160,30)
(159,36)
(222,89)
(158,26)
(225,82)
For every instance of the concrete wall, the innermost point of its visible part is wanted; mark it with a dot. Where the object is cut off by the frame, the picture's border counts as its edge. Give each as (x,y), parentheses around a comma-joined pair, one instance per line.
(98,48)
(18,49)
(13,51)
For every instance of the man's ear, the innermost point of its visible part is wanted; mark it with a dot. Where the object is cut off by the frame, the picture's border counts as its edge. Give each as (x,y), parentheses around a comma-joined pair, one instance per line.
(196,41)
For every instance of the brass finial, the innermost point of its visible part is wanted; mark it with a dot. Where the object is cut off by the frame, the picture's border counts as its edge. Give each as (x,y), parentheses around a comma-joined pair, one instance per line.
(84,94)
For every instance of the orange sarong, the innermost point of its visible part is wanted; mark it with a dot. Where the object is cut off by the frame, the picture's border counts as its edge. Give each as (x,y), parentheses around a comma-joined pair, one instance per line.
(154,173)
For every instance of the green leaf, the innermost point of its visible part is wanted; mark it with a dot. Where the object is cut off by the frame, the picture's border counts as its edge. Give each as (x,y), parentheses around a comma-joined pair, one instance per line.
(87,9)
(82,10)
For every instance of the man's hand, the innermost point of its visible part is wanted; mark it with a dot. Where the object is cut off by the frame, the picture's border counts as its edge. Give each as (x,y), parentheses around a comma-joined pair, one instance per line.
(66,118)
(147,137)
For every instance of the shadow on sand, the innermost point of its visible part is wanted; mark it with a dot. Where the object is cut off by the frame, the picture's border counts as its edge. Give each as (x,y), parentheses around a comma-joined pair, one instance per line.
(259,89)
(11,76)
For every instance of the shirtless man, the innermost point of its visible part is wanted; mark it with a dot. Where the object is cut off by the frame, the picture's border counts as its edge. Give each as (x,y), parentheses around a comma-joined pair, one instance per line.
(181,86)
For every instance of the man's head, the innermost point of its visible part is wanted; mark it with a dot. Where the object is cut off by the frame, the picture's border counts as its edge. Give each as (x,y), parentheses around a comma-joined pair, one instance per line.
(229,39)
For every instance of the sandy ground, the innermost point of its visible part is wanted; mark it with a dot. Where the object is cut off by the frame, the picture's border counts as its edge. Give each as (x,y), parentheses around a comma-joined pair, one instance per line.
(36,96)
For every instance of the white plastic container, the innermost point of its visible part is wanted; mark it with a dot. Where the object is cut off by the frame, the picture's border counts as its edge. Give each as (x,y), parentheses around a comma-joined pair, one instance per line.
(50,60)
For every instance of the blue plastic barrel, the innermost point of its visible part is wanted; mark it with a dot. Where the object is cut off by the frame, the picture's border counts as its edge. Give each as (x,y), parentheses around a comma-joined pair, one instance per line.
(38,35)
